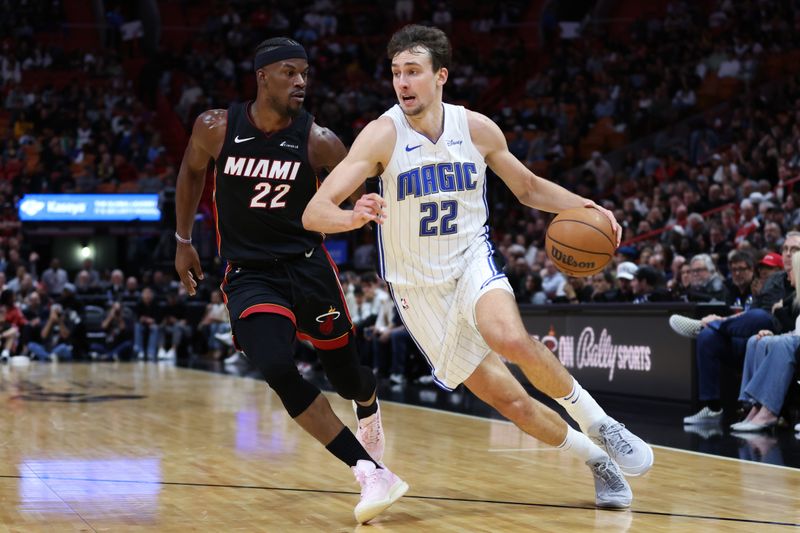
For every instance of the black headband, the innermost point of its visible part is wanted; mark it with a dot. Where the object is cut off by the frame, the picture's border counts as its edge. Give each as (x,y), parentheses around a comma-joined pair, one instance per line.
(293,51)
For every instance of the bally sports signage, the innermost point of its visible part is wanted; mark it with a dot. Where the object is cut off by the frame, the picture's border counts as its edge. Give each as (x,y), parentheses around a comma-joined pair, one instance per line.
(618,349)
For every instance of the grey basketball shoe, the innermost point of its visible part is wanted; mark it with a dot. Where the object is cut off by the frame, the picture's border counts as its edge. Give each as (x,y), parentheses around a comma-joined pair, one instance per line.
(633,455)
(611,489)
(685,326)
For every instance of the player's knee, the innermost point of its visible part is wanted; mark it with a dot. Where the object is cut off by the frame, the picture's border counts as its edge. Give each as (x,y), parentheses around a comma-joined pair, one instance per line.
(510,344)
(295,393)
(353,383)
(515,408)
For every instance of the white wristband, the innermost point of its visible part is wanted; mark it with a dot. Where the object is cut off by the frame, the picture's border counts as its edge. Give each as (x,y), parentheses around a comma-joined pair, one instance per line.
(182,240)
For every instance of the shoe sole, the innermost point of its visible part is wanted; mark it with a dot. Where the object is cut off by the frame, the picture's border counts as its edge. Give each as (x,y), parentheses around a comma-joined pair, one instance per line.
(612,506)
(368,512)
(641,469)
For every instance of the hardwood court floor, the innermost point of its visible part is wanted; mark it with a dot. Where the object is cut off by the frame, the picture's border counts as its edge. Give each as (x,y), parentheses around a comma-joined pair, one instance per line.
(144,447)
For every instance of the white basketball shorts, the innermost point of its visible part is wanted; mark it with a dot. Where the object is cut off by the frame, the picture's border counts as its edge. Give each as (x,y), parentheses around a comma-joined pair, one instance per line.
(441,319)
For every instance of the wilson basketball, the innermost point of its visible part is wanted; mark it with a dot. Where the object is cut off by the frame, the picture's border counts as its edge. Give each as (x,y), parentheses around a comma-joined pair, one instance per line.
(580,241)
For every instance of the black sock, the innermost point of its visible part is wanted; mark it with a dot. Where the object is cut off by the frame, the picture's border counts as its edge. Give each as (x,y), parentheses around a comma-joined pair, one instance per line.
(348,450)
(713,405)
(363,412)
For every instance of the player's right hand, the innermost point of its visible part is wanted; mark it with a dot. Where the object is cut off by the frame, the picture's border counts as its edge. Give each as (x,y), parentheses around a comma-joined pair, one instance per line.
(187,264)
(369,208)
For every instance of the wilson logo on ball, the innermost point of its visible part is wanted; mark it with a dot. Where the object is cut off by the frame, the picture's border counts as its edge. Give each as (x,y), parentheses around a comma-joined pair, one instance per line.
(568,260)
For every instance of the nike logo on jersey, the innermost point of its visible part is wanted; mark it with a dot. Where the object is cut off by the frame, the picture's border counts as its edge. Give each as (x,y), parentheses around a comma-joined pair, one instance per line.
(237,140)
(410,148)
(284,144)
(309,253)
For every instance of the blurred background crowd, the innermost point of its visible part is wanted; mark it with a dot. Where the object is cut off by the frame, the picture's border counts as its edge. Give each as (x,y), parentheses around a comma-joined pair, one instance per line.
(681,117)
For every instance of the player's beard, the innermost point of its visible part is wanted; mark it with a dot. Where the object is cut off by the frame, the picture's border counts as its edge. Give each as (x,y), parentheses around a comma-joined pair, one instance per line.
(285,107)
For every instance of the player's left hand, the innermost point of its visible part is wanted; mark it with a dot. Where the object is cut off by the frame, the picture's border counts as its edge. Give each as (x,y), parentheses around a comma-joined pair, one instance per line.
(370,208)
(610,216)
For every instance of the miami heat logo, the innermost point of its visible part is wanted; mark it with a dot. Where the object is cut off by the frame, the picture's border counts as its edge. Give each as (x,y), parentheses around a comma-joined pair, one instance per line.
(326,320)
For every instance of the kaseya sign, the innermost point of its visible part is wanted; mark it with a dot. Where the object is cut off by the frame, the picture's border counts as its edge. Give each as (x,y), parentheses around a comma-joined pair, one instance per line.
(627,352)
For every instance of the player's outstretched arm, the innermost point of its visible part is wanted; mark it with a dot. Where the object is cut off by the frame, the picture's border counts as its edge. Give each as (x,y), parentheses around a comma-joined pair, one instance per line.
(208,134)
(367,157)
(530,189)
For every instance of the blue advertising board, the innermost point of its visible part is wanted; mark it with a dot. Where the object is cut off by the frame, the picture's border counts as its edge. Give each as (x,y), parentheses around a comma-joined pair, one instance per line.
(89,207)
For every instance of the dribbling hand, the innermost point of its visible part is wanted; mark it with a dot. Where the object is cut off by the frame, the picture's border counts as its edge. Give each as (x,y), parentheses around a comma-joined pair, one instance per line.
(611,218)
(187,264)
(369,208)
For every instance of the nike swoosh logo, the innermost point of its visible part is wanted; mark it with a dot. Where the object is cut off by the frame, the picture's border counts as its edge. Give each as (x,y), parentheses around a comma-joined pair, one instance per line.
(409,148)
(237,140)
(309,253)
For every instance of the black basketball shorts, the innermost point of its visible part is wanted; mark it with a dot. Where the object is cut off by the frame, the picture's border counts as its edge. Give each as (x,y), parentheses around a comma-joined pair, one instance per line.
(306,290)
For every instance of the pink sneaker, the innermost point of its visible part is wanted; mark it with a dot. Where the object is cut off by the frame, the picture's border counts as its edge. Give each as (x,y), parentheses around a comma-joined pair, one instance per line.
(370,434)
(380,488)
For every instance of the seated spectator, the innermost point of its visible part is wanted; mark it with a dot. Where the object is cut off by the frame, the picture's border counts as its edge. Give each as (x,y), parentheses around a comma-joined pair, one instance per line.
(625,273)
(9,335)
(603,287)
(173,326)
(533,289)
(648,286)
(706,283)
(55,277)
(116,286)
(215,321)
(118,326)
(770,361)
(740,285)
(553,281)
(721,339)
(58,335)
(35,313)
(148,316)
(679,285)
(577,290)
(770,264)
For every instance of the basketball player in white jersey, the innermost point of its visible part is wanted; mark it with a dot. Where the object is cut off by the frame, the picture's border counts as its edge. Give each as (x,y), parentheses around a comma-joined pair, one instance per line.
(437,258)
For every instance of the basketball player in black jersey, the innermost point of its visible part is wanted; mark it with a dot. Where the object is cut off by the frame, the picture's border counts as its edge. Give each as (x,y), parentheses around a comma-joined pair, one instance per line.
(280,281)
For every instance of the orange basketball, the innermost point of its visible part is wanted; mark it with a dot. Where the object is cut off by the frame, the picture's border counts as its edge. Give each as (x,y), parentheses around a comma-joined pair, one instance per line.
(580,241)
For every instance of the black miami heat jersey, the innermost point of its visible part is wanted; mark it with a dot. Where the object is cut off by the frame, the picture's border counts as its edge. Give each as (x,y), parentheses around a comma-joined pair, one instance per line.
(262,185)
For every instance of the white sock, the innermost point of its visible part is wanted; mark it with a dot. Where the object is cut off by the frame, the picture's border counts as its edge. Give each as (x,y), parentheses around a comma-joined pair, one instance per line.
(581,407)
(580,446)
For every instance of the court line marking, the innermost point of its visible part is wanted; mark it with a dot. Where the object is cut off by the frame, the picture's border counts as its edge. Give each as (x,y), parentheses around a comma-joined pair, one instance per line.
(413,497)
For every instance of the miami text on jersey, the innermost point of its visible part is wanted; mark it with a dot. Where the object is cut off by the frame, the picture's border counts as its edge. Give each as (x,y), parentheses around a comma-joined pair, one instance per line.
(434,178)
(261,168)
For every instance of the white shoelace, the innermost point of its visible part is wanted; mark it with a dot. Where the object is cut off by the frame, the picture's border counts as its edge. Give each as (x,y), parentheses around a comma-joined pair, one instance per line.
(371,431)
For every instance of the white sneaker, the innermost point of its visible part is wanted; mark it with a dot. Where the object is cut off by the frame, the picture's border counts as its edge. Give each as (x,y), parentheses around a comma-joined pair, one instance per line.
(162,353)
(233,359)
(4,356)
(380,488)
(397,379)
(370,433)
(171,354)
(611,489)
(704,416)
(19,360)
(633,455)
(685,326)
(797,427)
(225,338)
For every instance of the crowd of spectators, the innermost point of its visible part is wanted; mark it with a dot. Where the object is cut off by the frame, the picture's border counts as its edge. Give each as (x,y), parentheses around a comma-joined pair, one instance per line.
(701,222)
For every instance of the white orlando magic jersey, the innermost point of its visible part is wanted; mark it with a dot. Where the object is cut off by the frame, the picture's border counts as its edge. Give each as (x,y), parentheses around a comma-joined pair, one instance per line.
(436,200)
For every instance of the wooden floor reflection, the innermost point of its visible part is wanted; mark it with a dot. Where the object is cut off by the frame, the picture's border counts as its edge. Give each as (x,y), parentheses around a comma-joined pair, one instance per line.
(140,446)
